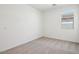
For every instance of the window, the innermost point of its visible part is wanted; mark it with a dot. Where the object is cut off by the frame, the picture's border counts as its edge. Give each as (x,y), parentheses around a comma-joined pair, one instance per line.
(67,21)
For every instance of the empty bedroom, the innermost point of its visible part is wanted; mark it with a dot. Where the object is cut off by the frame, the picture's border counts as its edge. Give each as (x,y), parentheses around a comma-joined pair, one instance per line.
(39,28)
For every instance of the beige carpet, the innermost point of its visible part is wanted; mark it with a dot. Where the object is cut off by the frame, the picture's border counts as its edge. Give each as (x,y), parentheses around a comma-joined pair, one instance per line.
(45,46)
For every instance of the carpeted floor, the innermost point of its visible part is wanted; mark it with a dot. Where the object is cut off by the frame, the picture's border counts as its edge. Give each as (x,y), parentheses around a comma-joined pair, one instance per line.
(45,46)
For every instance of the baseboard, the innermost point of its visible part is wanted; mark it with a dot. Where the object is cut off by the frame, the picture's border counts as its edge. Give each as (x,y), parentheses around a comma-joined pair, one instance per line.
(20,44)
(59,39)
(36,39)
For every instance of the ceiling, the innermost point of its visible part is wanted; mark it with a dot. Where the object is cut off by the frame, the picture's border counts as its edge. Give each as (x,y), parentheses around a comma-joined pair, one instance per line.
(44,7)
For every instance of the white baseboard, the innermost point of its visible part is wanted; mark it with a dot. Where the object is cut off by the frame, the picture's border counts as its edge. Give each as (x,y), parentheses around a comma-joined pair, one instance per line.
(20,44)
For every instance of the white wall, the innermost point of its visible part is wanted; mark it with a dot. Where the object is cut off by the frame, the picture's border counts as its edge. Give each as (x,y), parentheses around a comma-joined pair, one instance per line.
(52,25)
(78,25)
(18,24)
